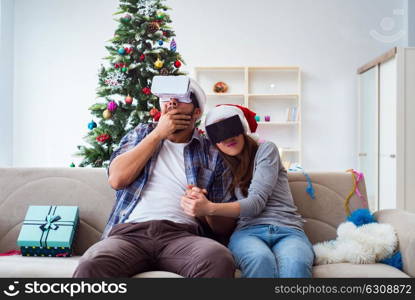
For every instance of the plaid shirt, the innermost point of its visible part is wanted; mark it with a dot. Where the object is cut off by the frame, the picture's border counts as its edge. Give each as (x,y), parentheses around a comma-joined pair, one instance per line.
(204,168)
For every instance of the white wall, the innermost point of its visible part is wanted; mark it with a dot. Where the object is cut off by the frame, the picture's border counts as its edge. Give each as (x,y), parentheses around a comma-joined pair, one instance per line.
(59,45)
(411,23)
(6,82)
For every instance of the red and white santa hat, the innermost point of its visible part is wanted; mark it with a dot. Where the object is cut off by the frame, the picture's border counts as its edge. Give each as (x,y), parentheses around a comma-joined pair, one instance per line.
(224,111)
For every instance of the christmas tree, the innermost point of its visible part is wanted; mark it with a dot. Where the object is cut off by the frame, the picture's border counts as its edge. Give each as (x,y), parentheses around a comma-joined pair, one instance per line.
(142,47)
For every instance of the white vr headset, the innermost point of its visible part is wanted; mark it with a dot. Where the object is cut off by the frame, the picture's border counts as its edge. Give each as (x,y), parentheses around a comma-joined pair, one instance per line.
(167,87)
(179,87)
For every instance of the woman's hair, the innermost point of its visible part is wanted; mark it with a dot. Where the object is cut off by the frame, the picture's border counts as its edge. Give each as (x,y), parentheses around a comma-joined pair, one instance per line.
(242,165)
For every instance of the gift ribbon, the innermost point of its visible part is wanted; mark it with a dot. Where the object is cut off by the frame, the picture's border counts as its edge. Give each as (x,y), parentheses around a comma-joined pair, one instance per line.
(309,189)
(357,177)
(11,252)
(49,224)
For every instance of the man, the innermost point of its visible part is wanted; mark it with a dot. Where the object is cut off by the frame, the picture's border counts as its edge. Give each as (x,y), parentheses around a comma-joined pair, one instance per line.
(148,229)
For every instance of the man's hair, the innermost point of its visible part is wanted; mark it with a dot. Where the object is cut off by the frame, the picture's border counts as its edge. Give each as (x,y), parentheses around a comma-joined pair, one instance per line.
(194,100)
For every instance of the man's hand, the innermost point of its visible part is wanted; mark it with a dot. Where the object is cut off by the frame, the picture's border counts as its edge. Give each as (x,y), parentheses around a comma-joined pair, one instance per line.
(195,203)
(172,121)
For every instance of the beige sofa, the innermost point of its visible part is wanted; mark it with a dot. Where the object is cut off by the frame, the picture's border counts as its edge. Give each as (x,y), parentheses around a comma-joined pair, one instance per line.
(88,189)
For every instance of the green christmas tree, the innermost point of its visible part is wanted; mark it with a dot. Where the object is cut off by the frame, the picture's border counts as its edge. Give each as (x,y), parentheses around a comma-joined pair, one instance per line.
(142,47)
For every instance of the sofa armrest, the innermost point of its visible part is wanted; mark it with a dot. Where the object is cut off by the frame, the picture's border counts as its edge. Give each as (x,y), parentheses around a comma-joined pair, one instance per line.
(404,224)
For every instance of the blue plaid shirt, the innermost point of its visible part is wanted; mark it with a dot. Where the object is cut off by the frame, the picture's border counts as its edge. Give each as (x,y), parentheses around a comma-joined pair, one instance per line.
(204,168)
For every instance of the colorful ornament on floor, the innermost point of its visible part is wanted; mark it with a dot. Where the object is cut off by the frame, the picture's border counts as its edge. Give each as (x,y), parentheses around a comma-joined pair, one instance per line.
(173,45)
(92,125)
(107,114)
(257,118)
(177,64)
(72,165)
(103,138)
(112,106)
(146,91)
(158,63)
(129,100)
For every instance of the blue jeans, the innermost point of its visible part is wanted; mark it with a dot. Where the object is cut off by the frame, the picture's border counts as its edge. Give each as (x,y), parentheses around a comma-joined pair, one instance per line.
(270,251)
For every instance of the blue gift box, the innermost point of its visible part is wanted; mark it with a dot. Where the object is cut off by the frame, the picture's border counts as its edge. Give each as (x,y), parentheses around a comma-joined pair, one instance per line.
(48,230)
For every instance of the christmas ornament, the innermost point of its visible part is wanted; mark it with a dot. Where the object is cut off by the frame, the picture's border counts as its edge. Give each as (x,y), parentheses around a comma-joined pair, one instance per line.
(177,64)
(142,57)
(161,42)
(112,106)
(116,66)
(92,125)
(121,51)
(146,91)
(153,27)
(220,87)
(158,64)
(107,114)
(267,118)
(173,46)
(72,165)
(126,18)
(164,72)
(129,100)
(128,50)
(165,33)
(157,116)
(153,112)
(103,138)
(257,118)
(124,69)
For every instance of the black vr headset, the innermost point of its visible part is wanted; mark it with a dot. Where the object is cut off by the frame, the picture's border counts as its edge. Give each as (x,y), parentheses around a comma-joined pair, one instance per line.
(225,129)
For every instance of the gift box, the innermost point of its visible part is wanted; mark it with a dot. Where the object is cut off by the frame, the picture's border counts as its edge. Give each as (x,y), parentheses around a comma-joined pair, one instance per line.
(48,231)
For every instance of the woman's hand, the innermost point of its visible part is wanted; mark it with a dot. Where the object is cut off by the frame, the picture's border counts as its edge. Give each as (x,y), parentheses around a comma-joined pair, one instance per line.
(195,203)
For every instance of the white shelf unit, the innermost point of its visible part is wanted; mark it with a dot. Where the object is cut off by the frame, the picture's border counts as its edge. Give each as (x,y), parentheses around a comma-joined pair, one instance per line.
(268,91)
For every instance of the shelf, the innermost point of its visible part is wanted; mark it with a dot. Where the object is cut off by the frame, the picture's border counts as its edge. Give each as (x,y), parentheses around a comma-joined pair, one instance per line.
(278,123)
(224,95)
(268,91)
(279,96)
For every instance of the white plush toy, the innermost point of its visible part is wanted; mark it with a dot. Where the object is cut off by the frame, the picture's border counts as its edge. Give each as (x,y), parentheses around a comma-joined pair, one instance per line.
(365,244)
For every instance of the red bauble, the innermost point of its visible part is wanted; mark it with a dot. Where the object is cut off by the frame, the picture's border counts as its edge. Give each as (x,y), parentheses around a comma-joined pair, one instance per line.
(177,64)
(157,117)
(129,50)
(103,138)
(165,33)
(129,100)
(146,91)
(116,66)
(153,112)
(142,57)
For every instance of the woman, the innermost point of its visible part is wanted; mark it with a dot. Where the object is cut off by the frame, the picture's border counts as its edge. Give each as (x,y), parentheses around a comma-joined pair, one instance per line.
(269,240)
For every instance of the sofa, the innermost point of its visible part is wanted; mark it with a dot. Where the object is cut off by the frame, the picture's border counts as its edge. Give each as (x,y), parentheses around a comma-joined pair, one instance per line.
(88,188)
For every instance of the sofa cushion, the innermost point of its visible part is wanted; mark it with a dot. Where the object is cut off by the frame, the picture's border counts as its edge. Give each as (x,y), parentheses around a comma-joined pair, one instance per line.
(29,266)
(42,267)
(347,270)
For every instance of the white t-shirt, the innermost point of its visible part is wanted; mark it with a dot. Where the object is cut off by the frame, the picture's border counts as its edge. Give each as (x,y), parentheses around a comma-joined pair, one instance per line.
(160,198)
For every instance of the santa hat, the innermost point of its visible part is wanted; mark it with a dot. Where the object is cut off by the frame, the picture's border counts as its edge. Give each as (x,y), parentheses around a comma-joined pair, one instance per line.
(197,90)
(224,111)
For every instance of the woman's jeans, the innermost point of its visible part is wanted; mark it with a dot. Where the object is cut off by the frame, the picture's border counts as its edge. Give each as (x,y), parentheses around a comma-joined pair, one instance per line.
(272,251)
